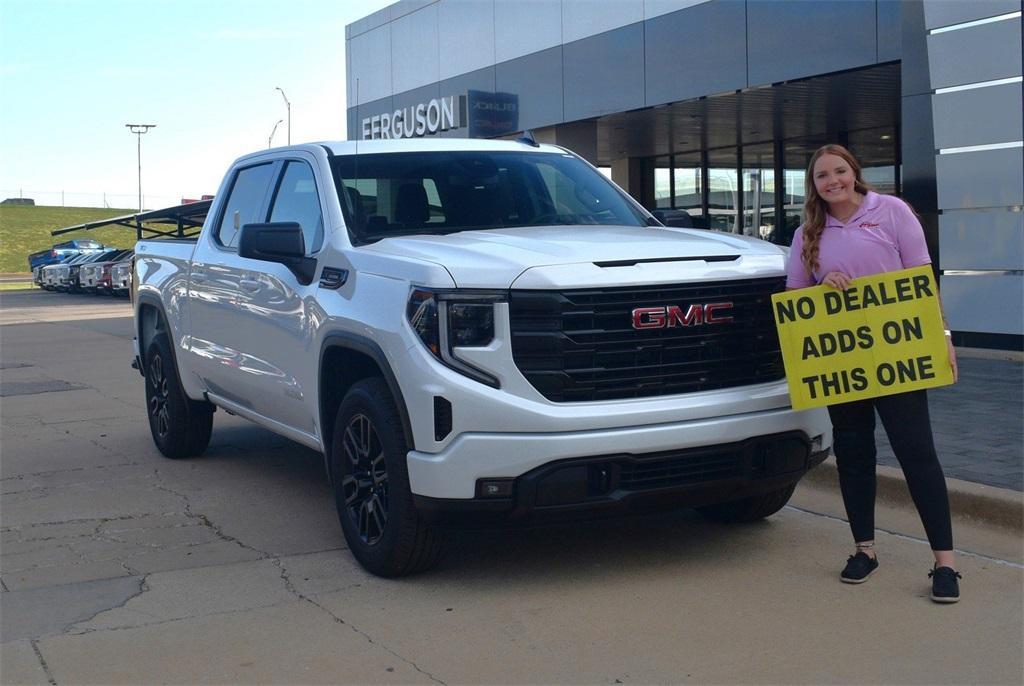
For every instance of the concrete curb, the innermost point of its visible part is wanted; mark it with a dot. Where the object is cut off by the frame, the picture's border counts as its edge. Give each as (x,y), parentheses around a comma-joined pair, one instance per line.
(999,507)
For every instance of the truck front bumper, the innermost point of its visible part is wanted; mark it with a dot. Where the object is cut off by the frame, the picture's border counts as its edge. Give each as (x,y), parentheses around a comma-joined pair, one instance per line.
(456,472)
(626,483)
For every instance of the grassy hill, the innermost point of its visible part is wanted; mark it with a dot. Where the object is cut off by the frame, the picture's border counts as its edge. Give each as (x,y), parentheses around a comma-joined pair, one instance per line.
(26,229)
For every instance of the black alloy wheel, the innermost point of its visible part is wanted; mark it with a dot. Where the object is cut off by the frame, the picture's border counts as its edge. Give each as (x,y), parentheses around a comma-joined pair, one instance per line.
(180,426)
(365,482)
(370,478)
(158,409)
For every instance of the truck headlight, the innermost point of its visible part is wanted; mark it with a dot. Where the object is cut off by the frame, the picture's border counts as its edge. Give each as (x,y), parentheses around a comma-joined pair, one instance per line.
(445,320)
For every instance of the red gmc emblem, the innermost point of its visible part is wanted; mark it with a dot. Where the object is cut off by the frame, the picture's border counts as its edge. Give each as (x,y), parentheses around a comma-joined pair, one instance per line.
(673,315)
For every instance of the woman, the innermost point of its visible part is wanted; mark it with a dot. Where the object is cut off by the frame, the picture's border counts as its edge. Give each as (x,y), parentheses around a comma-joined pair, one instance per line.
(850,231)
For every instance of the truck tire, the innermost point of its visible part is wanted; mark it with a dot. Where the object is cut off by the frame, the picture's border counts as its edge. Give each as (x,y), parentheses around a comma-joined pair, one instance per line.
(749,509)
(180,426)
(370,478)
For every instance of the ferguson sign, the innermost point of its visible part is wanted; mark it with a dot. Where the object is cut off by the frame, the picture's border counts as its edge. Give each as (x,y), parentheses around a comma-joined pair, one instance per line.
(426,118)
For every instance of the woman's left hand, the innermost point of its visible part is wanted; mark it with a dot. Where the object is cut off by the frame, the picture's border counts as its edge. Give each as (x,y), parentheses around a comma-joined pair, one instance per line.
(952,358)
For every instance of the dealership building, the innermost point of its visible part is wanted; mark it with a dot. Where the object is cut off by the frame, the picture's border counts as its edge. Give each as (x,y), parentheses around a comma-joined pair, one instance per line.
(712,108)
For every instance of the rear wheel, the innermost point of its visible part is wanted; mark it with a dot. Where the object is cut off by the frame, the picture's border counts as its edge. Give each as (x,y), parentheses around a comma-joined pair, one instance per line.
(180,426)
(749,509)
(371,485)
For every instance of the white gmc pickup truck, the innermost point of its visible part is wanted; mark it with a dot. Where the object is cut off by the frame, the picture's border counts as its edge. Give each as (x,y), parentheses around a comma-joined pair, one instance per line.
(472,332)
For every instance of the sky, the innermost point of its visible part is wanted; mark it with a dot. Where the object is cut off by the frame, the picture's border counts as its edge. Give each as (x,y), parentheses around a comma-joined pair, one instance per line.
(74,72)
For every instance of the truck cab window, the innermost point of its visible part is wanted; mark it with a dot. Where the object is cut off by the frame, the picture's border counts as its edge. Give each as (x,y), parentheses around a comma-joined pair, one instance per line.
(296,200)
(244,202)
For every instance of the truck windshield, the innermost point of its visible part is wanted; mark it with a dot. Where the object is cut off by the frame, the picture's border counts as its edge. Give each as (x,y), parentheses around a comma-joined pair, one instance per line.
(400,194)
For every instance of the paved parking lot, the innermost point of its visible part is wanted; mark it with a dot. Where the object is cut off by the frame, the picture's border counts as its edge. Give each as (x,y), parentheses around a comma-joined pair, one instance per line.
(119,566)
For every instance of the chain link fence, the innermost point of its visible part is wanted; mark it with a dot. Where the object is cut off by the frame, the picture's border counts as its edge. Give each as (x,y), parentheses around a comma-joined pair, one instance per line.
(78,199)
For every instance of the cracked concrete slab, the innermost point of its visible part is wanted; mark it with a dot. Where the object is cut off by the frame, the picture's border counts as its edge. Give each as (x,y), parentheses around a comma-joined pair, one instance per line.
(36,386)
(658,599)
(196,593)
(52,610)
(289,644)
(682,600)
(135,496)
(324,572)
(19,664)
(32,447)
(55,575)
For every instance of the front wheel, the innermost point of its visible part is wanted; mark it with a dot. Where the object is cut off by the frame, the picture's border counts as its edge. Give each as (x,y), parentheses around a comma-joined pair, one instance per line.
(371,485)
(749,509)
(180,426)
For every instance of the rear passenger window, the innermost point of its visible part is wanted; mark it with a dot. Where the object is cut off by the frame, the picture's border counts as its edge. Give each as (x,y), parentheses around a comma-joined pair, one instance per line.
(244,202)
(297,201)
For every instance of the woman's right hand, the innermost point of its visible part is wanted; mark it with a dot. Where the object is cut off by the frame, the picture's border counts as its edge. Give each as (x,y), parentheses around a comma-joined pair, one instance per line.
(837,280)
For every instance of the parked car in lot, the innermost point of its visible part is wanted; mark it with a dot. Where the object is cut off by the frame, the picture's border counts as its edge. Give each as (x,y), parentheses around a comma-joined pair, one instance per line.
(121,276)
(68,274)
(95,277)
(50,274)
(61,251)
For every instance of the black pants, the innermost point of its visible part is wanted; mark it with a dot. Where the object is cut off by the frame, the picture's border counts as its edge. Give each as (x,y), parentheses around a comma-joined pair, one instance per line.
(906,422)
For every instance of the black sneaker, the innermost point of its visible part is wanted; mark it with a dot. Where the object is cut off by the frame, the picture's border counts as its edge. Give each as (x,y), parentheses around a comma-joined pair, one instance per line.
(858,568)
(945,588)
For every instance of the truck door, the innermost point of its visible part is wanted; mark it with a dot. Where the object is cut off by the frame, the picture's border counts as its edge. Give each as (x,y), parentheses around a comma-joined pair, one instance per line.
(216,297)
(276,326)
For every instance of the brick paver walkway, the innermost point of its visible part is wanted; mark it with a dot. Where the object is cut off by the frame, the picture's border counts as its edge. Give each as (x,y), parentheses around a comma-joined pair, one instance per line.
(978,424)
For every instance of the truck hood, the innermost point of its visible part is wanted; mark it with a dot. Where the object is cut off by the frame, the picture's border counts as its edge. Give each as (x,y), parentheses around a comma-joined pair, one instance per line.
(585,256)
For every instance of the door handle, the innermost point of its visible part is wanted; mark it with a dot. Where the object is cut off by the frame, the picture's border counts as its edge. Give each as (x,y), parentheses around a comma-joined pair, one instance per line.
(250,285)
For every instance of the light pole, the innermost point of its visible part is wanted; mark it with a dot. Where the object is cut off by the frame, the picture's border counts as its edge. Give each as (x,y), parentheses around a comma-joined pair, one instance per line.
(288,105)
(272,132)
(138,130)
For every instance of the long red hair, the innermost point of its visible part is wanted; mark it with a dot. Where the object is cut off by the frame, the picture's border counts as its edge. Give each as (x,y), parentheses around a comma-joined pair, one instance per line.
(815,207)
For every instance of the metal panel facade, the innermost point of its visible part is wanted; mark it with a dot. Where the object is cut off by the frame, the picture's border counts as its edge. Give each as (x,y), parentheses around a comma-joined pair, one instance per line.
(473,23)
(791,40)
(523,27)
(678,66)
(618,57)
(979,116)
(982,239)
(949,12)
(369,62)
(585,18)
(982,302)
(415,50)
(988,178)
(537,80)
(890,33)
(972,55)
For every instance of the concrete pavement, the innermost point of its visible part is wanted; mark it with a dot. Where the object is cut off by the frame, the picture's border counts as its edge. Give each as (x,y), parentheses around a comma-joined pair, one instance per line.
(119,566)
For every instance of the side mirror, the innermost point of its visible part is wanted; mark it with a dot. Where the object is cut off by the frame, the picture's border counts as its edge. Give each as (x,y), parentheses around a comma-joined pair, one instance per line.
(280,242)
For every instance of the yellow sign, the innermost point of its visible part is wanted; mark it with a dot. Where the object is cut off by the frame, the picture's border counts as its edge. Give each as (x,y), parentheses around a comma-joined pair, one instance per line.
(882,335)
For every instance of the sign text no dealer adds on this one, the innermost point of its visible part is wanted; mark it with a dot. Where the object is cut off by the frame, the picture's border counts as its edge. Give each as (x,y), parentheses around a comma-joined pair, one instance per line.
(883,335)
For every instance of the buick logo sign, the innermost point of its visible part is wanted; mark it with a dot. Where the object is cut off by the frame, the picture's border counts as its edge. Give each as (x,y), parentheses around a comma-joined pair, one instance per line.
(672,315)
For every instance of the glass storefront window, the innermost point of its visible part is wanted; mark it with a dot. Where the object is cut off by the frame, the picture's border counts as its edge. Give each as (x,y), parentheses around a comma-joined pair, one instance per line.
(759,191)
(662,183)
(723,191)
(876,150)
(744,200)
(686,175)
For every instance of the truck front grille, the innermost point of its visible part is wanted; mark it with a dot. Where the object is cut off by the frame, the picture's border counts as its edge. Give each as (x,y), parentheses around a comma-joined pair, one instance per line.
(580,345)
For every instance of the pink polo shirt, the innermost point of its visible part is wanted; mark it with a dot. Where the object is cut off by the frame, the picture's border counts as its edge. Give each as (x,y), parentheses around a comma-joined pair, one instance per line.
(882,235)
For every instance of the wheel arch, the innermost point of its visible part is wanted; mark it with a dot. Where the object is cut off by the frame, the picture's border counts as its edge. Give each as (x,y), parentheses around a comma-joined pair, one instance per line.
(149,321)
(346,358)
